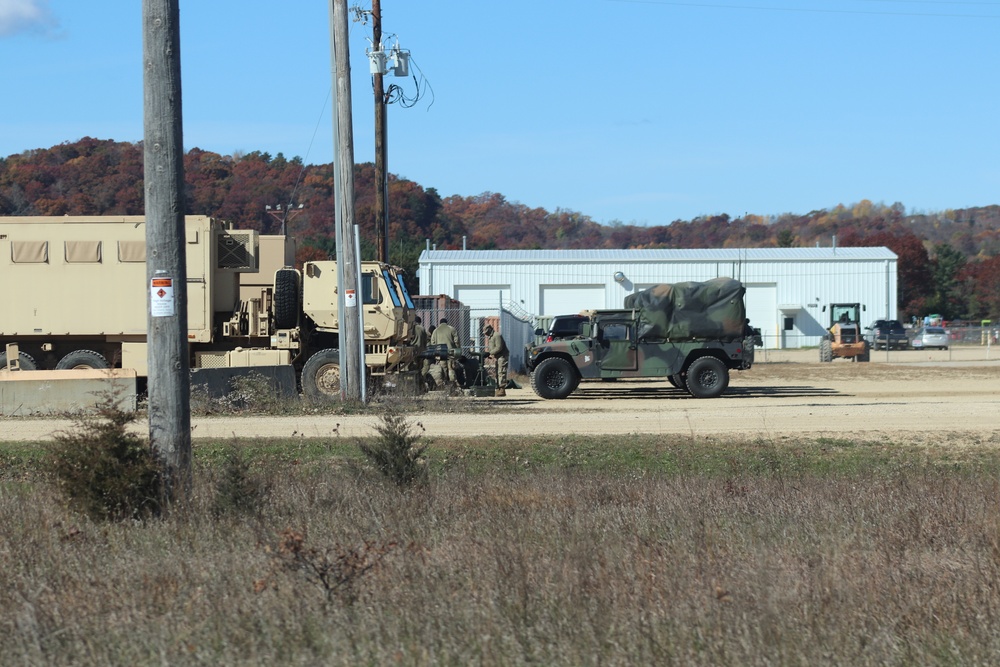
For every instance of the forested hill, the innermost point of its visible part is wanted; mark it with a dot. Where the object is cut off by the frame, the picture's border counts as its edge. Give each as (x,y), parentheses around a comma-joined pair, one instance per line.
(101,177)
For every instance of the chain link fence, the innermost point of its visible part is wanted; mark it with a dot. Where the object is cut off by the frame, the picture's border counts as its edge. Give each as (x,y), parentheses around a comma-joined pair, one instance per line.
(517,328)
(965,343)
(969,343)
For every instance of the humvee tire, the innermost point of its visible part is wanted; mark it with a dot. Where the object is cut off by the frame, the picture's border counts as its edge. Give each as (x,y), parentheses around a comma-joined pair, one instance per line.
(707,377)
(26,360)
(321,375)
(825,351)
(554,378)
(82,359)
(679,380)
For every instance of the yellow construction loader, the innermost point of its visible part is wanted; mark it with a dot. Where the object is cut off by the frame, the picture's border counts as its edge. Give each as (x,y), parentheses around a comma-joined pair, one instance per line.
(844,338)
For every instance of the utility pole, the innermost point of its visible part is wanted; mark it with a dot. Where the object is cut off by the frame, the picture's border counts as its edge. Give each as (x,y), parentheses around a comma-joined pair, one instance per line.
(166,270)
(351,343)
(283,216)
(381,138)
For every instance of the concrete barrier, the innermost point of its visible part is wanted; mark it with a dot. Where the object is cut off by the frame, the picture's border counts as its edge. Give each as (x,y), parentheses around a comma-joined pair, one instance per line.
(65,392)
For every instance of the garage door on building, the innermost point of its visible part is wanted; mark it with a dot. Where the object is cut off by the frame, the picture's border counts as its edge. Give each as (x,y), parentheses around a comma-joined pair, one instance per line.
(569,299)
(762,309)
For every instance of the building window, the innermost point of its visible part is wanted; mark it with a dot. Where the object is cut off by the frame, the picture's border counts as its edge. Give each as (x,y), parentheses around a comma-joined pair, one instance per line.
(789,324)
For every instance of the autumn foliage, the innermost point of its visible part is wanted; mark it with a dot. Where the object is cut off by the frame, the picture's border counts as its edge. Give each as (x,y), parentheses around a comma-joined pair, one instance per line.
(947,260)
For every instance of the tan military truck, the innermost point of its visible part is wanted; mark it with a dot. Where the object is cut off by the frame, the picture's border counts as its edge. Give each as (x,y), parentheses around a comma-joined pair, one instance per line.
(75,295)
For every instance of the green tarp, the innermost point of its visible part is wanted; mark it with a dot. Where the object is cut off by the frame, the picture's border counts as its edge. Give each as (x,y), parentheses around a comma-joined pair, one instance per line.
(684,311)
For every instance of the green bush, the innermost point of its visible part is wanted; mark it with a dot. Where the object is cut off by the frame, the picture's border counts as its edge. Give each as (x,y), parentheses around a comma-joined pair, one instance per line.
(239,489)
(395,452)
(105,471)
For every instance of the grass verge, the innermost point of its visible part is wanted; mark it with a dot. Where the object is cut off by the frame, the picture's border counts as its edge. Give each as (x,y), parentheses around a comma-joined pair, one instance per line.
(556,551)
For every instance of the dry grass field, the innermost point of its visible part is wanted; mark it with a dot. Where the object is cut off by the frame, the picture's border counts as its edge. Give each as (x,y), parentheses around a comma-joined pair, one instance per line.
(858,545)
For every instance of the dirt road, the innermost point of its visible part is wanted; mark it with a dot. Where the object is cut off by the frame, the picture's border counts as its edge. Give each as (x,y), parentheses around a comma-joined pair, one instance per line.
(942,401)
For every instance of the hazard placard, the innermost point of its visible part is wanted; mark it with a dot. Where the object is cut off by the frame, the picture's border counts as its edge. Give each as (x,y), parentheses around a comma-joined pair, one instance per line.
(350,299)
(161,297)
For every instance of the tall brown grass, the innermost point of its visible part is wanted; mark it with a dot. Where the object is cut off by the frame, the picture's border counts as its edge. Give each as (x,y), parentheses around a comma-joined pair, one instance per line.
(518,562)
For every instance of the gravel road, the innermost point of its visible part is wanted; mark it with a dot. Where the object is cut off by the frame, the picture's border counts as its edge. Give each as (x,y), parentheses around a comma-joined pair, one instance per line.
(933,400)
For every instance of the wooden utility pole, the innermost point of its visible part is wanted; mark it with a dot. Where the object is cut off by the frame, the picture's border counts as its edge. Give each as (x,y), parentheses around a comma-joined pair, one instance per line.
(351,343)
(381,138)
(169,385)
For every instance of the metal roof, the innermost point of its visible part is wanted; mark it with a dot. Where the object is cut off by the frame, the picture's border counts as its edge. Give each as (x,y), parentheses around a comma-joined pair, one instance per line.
(827,254)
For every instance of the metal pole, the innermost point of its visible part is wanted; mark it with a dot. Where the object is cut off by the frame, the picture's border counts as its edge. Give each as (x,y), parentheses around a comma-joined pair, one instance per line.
(351,346)
(169,383)
(381,157)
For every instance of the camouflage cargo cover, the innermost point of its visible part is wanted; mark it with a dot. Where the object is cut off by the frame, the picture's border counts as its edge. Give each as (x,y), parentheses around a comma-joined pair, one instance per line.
(712,309)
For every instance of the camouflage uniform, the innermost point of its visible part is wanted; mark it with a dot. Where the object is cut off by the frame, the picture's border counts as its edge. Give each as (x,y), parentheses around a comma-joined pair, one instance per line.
(419,341)
(497,348)
(443,371)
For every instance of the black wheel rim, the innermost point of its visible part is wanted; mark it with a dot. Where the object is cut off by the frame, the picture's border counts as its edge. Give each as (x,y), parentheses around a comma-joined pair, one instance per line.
(554,379)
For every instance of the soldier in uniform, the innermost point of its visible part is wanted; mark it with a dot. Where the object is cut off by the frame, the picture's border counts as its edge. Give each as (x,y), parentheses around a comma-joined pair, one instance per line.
(496,347)
(444,369)
(419,341)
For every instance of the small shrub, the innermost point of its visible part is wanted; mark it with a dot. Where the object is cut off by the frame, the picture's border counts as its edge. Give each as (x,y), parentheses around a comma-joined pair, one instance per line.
(239,489)
(202,402)
(395,452)
(104,470)
(252,392)
(337,571)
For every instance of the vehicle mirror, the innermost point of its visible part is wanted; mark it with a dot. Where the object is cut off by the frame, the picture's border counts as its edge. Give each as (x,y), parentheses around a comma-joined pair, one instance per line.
(539,332)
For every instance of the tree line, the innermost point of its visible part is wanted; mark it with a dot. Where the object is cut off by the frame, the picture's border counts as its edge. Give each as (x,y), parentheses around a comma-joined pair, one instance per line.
(949,261)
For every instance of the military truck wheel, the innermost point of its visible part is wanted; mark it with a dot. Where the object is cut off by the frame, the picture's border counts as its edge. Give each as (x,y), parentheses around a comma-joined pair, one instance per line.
(83,359)
(825,351)
(554,378)
(321,375)
(27,362)
(286,298)
(707,377)
(679,380)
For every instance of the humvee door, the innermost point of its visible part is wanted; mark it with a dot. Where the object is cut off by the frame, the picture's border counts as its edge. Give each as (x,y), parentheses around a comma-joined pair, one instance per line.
(616,346)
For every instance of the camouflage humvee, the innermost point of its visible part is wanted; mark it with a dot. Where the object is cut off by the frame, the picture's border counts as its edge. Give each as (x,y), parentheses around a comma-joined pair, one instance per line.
(691,333)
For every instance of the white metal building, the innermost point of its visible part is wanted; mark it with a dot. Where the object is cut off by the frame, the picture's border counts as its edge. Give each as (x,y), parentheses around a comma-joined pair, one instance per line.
(787,288)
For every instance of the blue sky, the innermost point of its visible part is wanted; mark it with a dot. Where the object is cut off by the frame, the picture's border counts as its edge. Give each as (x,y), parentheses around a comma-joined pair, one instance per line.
(638,111)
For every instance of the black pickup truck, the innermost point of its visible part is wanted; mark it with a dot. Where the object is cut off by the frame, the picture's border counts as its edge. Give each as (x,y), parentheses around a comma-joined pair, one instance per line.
(887,334)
